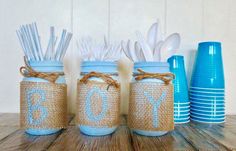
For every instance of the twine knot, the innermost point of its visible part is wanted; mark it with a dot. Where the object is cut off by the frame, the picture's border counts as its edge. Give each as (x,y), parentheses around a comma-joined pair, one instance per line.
(105,77)
(28,71)
(165,77)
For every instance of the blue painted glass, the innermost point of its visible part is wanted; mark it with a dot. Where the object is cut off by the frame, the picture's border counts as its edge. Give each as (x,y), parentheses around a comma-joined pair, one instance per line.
(88,105)
(156,104)
(153,67)
(43,66)
(36,106)
(103,67)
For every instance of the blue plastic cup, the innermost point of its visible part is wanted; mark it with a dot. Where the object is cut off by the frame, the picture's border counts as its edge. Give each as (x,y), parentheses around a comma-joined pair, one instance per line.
(216,115)
(208,117)
(181,106)
(181,112)
(204,108)
(211,105)
(209,121)
(182,121)
(210,90)
(207,94)
(200,97)
(207,102)
(208,70)
(180,81)
(208,112)
(181,116)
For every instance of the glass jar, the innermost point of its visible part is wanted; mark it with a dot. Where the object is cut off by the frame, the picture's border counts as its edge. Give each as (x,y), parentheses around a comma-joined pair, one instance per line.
(109,68)
(44,67)
(139,112)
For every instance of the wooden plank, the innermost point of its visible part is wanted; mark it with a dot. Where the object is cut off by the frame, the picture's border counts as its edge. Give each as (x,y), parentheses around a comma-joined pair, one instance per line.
(72,139)
(170,141)
(23,141)
(231,118)
(198,139)
(19,140)
(128,16)
(46,13)
(43,142)
(230,124)
(16,141)
(225,135)
(193,136)
(97,26)
(6,130)
(9,119)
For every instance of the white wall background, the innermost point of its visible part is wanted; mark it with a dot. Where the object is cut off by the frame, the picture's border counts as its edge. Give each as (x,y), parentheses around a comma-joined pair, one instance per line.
(195,20)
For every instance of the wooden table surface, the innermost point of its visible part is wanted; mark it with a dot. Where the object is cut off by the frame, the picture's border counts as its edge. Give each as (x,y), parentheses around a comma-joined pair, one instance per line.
(192,136)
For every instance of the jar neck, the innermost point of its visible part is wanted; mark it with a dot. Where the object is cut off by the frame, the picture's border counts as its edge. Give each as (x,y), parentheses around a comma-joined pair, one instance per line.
(99,66)
(47,66)
(153,67)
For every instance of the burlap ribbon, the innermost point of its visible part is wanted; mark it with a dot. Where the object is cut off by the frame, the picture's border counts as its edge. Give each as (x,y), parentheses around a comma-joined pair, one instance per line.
(43,105)
(97,104)
(105,77)
(27,71)
(165,77)
(151,103)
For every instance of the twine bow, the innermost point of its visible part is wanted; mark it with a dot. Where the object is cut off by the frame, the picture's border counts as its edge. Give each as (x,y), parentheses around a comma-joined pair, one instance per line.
(27,71)
(105,77)
(165,77)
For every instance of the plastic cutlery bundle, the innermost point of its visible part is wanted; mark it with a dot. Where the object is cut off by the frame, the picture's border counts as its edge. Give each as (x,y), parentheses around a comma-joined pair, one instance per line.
(30,41)
(153,48)
(90,50)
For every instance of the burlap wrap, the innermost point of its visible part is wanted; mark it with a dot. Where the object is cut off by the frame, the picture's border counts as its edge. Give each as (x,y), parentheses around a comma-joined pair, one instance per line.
(43,105)
(141,109)
(91,99)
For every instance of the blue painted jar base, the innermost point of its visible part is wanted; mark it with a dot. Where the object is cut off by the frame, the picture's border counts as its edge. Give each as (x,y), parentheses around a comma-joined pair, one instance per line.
(150,133)
(41,131)
(94,131)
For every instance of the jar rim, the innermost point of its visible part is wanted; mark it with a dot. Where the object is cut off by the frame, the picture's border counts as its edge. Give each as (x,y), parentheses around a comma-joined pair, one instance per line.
(161,64)
(99,63)
(47,63)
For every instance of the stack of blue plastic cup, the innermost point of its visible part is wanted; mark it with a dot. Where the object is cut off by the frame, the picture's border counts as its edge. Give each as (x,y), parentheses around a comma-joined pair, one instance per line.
(207,89)
(181,98)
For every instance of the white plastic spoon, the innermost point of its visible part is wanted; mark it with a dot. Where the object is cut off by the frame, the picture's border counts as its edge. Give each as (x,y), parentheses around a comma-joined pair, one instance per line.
(137,46)
(125,50)
(131,51)
(153,35)
(157,49)
(141,55)
(170,45)
(148,53)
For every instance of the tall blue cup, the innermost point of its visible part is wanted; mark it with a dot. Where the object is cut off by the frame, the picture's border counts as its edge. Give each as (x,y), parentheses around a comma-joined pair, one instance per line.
(208,69)
(180,82)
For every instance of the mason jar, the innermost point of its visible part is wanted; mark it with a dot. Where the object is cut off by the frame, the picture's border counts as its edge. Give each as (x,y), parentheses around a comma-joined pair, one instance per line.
(137,111)
(45,67)
(92,111)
